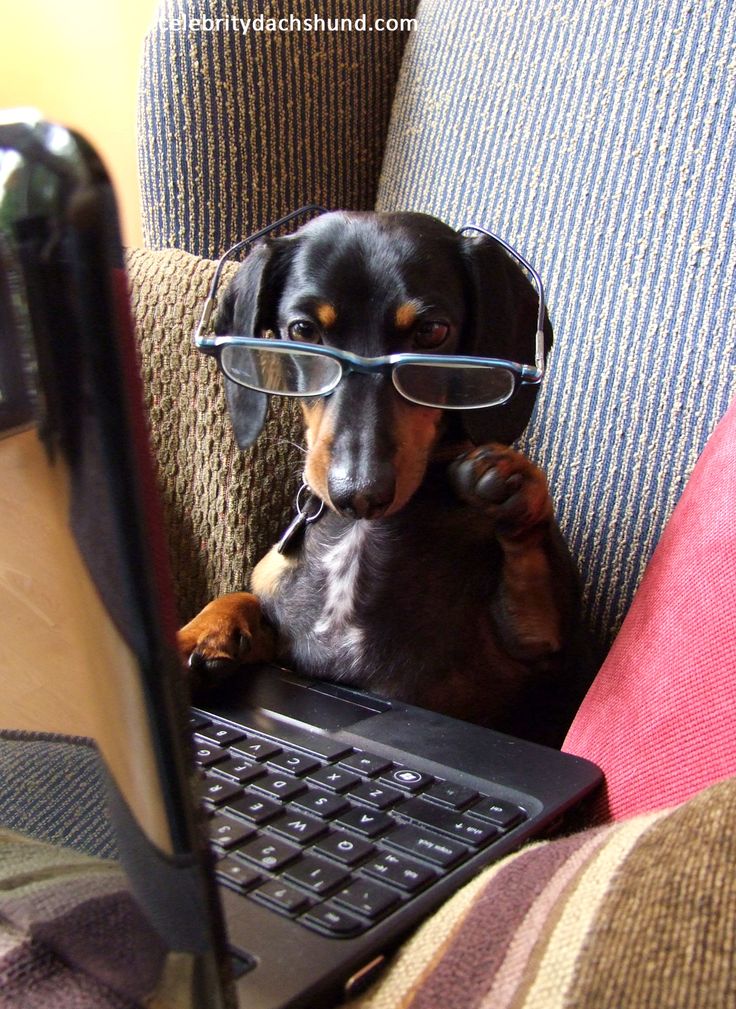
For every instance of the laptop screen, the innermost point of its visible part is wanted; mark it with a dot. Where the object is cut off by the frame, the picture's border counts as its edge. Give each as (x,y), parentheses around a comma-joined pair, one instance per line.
(85,600)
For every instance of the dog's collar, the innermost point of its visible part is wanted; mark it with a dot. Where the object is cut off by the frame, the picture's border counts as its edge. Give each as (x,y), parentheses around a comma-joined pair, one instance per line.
(308,509)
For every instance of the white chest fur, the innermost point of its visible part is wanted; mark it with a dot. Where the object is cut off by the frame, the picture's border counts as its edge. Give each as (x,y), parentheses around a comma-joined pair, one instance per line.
(341,565)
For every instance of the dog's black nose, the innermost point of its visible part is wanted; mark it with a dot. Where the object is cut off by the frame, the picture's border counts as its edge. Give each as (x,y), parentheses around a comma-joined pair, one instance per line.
(363,499)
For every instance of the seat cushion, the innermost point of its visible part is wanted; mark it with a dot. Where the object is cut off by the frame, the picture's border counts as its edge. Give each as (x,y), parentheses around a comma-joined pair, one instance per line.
(598,139)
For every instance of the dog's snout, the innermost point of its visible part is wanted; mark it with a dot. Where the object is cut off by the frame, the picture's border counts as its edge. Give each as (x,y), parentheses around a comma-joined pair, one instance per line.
(362,498)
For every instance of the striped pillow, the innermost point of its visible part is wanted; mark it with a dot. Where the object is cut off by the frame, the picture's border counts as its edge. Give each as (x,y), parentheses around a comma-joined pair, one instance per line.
(635,914)
(71,936)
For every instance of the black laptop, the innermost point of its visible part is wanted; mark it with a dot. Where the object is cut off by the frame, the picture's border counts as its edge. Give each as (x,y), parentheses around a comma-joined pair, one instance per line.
(336,820)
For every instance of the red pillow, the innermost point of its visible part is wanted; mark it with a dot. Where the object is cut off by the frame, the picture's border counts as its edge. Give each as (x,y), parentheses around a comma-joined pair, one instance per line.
(660,718)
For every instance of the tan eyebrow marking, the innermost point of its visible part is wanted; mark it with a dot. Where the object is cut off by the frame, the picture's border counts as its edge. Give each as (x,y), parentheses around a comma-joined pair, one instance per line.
(326,314)
(406,314)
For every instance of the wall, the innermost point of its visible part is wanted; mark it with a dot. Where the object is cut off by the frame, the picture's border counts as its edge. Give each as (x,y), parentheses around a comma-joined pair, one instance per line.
(77,61)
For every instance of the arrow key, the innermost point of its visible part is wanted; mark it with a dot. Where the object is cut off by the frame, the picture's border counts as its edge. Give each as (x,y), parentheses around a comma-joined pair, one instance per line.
(368,822)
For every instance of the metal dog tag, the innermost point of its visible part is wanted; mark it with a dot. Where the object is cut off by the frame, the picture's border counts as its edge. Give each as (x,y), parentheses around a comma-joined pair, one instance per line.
(294,533)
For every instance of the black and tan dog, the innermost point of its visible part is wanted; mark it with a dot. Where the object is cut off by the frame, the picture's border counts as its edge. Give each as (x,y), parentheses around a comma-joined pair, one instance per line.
(437,573)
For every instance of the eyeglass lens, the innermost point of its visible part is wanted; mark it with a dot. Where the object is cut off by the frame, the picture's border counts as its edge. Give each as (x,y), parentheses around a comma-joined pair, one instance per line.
(295,373)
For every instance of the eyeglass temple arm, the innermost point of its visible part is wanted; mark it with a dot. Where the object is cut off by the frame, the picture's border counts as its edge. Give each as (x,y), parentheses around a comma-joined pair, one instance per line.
(209,303)
(528,374)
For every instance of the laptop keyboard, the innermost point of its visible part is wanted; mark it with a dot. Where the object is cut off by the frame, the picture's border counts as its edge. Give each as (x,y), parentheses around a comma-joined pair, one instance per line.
(332,836)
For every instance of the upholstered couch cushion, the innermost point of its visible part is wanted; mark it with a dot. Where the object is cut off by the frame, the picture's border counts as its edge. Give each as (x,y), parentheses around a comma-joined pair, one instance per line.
(239,126)
(52,788)
(659,718)
(639,913)
(223,508)
(598,139)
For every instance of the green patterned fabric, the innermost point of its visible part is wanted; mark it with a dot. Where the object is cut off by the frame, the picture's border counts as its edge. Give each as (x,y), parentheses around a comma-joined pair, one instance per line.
(236,128)
(597,138)
(223,508)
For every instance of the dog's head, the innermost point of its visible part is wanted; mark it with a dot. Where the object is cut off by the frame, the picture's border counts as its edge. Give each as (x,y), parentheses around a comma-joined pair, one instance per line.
(378,284)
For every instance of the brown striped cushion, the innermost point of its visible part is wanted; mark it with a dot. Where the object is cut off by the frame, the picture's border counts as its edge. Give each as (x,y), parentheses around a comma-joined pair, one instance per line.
(638,914)
(71,936)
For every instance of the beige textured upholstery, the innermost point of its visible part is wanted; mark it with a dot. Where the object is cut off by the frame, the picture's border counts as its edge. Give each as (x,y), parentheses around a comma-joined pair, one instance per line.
(223,508)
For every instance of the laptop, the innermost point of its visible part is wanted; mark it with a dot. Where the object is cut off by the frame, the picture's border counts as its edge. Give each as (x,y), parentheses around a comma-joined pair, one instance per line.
(282,836)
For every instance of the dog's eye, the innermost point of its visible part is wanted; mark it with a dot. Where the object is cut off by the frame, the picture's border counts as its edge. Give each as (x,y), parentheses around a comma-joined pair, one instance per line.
(430,334)
(304,331)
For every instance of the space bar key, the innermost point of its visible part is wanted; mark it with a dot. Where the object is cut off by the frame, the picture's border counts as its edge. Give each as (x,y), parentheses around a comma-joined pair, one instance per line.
(321,746)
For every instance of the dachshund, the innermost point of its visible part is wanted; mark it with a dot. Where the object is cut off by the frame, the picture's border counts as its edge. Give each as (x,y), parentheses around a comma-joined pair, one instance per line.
(436,573)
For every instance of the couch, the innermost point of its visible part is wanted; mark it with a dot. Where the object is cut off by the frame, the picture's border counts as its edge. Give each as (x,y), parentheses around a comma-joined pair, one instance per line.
(597,138)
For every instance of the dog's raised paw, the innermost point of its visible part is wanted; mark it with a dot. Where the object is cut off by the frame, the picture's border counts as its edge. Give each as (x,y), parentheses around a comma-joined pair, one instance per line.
(506,485)
(227,633)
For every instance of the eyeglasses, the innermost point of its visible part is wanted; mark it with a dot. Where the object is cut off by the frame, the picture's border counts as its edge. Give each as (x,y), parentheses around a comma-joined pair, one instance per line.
(286,368)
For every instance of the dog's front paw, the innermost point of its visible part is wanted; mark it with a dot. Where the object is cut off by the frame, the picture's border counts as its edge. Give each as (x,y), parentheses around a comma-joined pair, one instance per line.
(506,485)
(228,632)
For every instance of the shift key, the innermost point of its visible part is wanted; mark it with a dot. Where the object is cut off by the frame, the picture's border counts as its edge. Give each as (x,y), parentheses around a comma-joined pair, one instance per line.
(473,832)
(425,844)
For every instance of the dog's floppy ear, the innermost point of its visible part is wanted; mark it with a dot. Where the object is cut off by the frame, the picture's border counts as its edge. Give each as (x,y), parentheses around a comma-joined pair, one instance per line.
(247,308)
(503,323)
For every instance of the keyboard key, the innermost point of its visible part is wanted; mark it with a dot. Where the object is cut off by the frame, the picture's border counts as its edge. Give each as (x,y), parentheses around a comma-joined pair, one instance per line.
(281,896)
(206,754)
(407,779)
(427,845)
(221,735)
(448,794)
(365,763)
(316,875)
(503,814)
(238,769)
(458,825)
(255,808)
(368,822)
(268,852)
(279,786)
(372,794)
(237,873)
(399,871)
(294,763)
(217,791)
(227,832)
(368,898)
(335,779)
(257,749)
(324,804)
(344,848)
(293,735)
(299,827)
(197,721)
(332,921)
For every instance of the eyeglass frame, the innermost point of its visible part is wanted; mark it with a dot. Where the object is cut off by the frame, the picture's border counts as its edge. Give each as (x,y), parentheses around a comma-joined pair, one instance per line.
(524,374)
